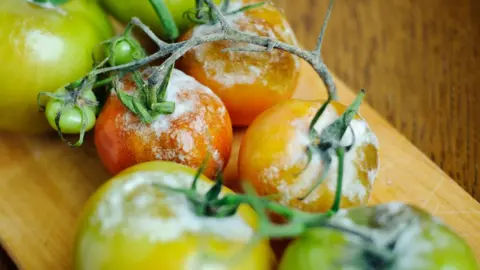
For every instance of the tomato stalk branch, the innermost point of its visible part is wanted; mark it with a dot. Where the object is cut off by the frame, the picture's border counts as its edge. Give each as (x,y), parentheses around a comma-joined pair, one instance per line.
(227,33)
(318,49)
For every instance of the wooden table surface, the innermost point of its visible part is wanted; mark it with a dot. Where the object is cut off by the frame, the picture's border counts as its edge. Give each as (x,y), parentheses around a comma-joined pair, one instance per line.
(419,61)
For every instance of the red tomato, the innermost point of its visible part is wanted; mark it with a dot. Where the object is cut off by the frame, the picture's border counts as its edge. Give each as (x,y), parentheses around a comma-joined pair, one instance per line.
(199,125)
(273,157)
(247,82)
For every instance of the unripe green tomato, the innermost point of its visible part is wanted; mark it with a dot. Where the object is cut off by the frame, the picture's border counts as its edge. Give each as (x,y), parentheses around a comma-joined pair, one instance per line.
(124,10)
(42,50)
(405,237)
(125,50)
(71,118)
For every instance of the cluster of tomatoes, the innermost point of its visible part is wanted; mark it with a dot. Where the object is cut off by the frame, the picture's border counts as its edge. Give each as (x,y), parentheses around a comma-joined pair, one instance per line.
(166,133)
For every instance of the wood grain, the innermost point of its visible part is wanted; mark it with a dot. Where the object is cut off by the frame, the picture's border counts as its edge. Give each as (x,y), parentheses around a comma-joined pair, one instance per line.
(45,185)
(419,62)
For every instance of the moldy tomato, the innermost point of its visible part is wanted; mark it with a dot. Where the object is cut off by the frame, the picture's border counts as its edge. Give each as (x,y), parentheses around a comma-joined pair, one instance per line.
(274,159)
(391,236)
(132,223)
(247,82)
(43,50)
(199,125)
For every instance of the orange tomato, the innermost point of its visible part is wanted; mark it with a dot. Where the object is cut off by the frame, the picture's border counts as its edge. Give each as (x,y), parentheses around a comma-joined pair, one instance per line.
(247,82)
(273,157)
(200,125)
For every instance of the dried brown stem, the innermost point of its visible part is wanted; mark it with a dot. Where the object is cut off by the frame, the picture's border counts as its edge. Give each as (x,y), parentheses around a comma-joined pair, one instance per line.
(227,32)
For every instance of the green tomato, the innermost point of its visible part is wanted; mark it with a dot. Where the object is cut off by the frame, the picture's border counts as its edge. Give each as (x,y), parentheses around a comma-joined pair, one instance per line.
(124,10)
(42,50)
(71,117)
(391,236)
(125,50)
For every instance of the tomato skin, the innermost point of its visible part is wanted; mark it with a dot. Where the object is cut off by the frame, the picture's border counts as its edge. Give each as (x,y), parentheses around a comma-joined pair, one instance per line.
(247,82)
(122,140)
(124,10)
(428,244)
(43,50)
(272,157)
(105,242)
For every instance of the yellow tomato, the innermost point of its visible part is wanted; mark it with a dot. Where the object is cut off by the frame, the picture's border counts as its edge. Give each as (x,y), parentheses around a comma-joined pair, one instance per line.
(273,157)
(133,223)
(42,50)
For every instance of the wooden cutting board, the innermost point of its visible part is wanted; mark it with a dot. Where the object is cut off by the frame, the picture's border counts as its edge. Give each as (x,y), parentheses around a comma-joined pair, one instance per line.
(44,184)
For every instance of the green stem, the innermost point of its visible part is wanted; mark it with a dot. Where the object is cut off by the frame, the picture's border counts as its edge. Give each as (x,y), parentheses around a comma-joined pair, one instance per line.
(103,82)
(198,6)
(166,19)
(338,194)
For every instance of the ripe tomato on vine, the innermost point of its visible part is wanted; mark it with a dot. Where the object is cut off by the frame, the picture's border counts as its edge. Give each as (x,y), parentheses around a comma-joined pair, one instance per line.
(249,79)
(193,125)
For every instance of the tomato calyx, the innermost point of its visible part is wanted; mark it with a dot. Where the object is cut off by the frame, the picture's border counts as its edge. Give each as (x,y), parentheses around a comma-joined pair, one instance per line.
(330,139)
(204,15)
(149,100)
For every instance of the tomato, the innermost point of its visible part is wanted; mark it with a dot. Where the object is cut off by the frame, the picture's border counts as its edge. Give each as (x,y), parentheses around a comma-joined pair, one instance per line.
(124,10)
(43,50)
(394,236)
(199,126)
(273,157)
(71,117)
(247,82)
(129,223)
(123,50)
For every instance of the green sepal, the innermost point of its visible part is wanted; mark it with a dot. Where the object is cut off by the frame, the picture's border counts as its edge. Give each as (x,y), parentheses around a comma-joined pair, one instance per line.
(126,100)
(166,107)
(215,190)
(199,172)
(327,162)
(246,8)
(162,90)
(317,116)
(334,132)
(225,6)
(142,111)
